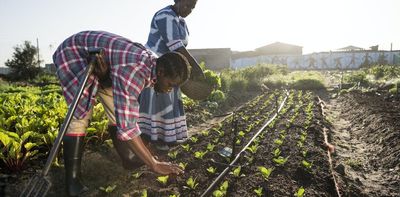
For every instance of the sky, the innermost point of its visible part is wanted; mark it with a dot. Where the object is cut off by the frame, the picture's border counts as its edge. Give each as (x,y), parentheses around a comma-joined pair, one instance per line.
(316,25)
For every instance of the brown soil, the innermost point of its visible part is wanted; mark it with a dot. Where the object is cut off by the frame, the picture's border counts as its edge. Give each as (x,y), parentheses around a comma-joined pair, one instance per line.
(363,128)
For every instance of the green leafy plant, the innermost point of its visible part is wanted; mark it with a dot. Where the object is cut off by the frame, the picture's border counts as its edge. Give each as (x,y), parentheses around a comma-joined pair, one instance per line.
(221,191)
(300,192)
(16,150)
(277,152)
(137,175)
(210,147)
(306,164)
(191,183)
(163,179)
(200,154)
(205,133)
(265,172)
(211,170)
(258,191)
(278,142)
(280,160)
(236,171)
(182,165)
(108,189)
(186,147)
(194,139)
(173,154)
(144,193)
(253,148)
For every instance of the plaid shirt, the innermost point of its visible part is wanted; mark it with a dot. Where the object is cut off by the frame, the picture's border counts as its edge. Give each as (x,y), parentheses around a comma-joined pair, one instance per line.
(132,68)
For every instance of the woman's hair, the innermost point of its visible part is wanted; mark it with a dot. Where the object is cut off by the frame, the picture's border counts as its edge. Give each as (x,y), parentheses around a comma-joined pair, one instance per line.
(174,65)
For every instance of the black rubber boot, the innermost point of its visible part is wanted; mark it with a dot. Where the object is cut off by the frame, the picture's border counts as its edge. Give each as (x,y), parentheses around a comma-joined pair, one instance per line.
(129,160)
(73,150)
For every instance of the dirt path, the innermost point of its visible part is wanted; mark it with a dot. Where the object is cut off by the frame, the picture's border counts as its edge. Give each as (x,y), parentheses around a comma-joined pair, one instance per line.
(355,159)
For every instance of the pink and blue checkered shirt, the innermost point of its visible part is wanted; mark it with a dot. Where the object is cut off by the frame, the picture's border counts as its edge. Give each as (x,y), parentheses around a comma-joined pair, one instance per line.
(132,68)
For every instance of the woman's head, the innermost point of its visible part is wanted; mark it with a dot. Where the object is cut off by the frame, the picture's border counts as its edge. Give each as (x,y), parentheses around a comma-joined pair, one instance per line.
(184,7)
(173,69)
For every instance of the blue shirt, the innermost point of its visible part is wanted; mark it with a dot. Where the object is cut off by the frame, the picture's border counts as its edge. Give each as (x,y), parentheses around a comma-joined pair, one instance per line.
(168,31)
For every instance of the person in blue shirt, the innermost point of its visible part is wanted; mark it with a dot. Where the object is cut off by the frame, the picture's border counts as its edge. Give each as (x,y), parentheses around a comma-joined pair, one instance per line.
(162,117)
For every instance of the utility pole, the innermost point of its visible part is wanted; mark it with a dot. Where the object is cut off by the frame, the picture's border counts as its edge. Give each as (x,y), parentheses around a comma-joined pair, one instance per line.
(391,45)
(37,47)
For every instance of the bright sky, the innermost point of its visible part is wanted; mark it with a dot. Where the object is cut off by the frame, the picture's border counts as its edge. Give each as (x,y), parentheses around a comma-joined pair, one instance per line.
(317,25)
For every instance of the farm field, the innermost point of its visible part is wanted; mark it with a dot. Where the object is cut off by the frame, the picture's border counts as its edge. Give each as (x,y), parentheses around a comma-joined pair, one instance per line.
(289,157)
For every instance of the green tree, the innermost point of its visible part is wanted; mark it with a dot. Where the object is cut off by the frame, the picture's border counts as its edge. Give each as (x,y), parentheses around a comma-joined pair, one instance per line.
(24,63)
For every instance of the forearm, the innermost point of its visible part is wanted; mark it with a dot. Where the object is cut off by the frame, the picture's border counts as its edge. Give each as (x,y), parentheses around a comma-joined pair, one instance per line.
(138,147)
(192,61)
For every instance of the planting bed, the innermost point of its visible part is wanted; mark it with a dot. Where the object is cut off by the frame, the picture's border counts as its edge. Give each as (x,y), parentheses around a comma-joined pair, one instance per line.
(291,148)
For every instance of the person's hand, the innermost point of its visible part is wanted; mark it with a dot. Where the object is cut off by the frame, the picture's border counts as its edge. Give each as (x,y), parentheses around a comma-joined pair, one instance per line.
(166,168)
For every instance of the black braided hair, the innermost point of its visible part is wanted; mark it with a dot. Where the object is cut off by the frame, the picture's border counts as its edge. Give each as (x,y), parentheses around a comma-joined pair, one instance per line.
(174,65)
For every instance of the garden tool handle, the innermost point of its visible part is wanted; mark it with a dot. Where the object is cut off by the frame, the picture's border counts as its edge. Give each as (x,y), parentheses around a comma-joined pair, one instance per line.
(71,109)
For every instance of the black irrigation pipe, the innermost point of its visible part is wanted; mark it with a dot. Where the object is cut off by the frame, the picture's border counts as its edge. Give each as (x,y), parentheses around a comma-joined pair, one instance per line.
(217,180)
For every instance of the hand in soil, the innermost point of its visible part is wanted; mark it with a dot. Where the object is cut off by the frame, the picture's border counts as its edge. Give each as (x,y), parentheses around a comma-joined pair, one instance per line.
(166,168)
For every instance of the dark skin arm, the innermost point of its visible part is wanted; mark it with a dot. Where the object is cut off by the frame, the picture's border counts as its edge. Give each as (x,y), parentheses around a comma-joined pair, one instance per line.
(196,70)
(164,168)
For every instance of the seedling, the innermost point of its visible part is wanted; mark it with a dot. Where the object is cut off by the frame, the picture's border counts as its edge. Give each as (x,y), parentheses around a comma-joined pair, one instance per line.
(277,152)
(210,147)
(200,154)
(278,142)
(280,160)
(137,175)
(241,133)
(222,190)
(265,172)
(191,183)
(173,154)
(182,165)
(186,147)
(236,171)
(194,139)
(211,170)
(163,179)
(259,191)
(306,164)
(144,193)
(300,192)
(205,133)
(108,189)
(252,148)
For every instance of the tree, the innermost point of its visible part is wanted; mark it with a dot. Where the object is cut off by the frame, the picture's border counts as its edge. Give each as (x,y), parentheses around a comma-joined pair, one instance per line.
(24,64)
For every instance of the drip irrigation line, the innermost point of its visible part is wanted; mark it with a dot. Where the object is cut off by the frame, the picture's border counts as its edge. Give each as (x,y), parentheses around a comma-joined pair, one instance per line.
(226,170)
(328,151)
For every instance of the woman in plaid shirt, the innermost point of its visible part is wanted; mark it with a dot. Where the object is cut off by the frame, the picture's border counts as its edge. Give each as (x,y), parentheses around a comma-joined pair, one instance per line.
(131,68)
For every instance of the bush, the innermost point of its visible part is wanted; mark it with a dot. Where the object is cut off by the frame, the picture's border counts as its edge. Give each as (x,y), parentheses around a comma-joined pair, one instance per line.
(307,84)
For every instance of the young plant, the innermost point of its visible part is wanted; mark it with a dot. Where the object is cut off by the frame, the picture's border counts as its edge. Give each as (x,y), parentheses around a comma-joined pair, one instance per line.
(278,142)
(200,154)
(258,191)
(186,147)
(194,139)
(108,189)
(306,164)
(210,147)
(300,192)
(163,179)
(211,170)
(182,165)
(144,193)
(205,133)
(265,172)
(221,191)
(236,171)
(191,183)
(280,160)
(137,175)
(277,152)
(173,154)
(252,148)
(241,133)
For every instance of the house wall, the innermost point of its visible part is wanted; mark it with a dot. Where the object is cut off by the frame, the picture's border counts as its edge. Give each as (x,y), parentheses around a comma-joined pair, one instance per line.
(324,60)
(215,59)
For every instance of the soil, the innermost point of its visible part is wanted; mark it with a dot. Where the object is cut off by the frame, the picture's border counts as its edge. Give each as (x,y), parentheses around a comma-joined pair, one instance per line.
(363,128)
